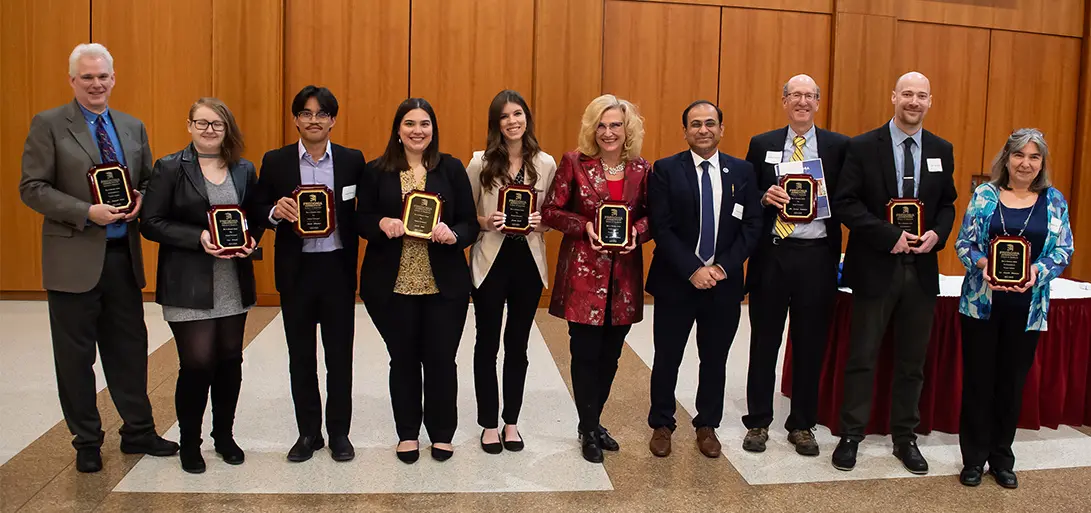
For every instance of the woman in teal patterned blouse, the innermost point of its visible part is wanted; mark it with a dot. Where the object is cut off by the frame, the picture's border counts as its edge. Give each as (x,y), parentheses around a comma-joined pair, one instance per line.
(1000,324)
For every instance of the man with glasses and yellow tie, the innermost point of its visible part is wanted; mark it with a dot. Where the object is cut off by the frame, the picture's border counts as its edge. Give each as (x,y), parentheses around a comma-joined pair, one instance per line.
(794,269)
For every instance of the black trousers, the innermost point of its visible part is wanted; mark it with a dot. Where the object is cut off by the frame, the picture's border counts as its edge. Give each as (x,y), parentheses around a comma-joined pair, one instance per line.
(996,356)
(422,332)
(513,278)
(717,320)
(209,356)
(799,276)
(323,296)
(910,309)
(595,352)
(111,315)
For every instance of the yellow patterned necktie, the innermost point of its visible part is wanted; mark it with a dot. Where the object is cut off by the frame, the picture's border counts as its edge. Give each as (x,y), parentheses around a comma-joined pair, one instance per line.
(783,228)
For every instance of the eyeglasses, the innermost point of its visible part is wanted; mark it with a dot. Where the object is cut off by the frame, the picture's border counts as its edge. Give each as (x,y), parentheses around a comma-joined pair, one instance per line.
(614,127)
(203,124)
(307,115)
(799,96)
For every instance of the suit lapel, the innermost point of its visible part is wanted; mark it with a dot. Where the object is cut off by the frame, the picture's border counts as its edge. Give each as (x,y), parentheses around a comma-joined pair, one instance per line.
(238,177)
(337,155)
(596,176)
(727,192)
(192,171)
(690,172)
(886,158)
(78,127)
(927,180)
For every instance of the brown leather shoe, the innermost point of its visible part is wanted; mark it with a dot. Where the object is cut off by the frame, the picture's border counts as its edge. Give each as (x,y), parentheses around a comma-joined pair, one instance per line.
(660,444)
(707,442)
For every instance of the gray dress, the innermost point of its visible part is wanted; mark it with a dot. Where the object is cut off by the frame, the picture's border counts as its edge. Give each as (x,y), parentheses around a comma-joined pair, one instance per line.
(226,295)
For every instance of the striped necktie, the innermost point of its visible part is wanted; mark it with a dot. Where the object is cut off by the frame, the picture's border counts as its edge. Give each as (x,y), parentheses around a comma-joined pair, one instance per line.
(783,228)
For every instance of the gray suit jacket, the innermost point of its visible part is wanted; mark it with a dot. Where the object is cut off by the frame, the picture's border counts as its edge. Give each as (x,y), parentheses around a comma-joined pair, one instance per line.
(59,151)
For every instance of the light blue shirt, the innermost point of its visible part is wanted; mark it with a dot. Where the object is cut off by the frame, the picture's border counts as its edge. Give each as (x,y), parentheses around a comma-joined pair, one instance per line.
(117,229)
(321,172)
(897,139)
(815,229)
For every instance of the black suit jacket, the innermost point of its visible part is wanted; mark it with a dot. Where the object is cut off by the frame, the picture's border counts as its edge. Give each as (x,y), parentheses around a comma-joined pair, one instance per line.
(279,177)
(674,206)
(831,150)
(868,182)
(175,212)
(381,196)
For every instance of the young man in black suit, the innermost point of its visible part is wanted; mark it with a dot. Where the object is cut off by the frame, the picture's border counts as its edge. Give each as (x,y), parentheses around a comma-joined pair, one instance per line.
(894,274)
(795,268)
(316,276)
(705,218)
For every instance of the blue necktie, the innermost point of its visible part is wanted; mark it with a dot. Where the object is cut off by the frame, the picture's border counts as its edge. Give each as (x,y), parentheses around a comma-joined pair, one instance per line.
(117,229)
(707,246)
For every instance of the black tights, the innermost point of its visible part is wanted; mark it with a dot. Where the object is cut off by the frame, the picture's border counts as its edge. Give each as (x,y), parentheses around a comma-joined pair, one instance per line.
(210,356)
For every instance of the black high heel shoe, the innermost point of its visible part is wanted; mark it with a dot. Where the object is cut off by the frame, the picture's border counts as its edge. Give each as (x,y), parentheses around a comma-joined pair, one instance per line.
(408,457)
(491,448)
(512,445)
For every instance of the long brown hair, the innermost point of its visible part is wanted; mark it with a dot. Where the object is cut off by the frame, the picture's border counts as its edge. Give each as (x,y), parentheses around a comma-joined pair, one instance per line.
(393,159)
(232,147)
(495,170)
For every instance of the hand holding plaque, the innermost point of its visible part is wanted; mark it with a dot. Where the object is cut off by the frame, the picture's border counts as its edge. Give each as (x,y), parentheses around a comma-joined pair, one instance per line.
(315,204)
(614,225)
(421,213)
(908,215)
(1009,261)
(110,185)
(802,193)
(517,202)
(228,230)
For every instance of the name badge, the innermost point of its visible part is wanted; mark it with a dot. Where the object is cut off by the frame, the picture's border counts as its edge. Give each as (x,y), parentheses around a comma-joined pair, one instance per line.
(348,192)
(935,166)
(737,211)
(772,157)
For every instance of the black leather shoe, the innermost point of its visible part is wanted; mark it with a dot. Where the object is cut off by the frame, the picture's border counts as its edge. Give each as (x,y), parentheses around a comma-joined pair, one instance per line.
(153,445)
(970,476)
(341,448)
(844,456)
(230,451)
(1005,478)
(408,456)
(589,445)
(89,460)
(441,454)
(512,445)
(491,448)
(304,448)
(606,441)
(911,457)
(192,461)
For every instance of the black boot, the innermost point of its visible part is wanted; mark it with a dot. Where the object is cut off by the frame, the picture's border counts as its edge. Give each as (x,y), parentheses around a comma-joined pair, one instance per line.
(225,400)
(190,454)
(190,399)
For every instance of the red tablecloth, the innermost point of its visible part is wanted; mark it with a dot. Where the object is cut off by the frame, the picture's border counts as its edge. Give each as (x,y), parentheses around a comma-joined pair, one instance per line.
(1057,389)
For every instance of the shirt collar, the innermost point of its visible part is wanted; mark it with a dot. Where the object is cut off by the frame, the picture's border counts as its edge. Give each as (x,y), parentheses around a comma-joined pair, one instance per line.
(808,135)
(91,117)
(899,137)
(303,150)
(697,160)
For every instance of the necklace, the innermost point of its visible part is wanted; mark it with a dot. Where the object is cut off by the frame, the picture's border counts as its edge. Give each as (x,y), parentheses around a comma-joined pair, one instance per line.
(1004,226)
(613,171)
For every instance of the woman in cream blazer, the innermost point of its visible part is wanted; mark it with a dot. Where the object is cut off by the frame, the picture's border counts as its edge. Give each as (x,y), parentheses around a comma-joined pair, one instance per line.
(506,268)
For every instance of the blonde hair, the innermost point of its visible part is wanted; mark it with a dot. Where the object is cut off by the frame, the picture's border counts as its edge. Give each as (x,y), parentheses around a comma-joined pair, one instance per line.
(634,126)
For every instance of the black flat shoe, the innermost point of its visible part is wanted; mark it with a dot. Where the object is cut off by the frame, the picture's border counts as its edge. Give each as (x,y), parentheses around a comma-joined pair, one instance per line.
(153,445)
(589,446)
(192,461)
(492,448)
(304,448)
(89,460)
(230,451)
(1005,478)
(341,448)
(441,454)
(971,476)
(408,457)
(512,445)
(606,441)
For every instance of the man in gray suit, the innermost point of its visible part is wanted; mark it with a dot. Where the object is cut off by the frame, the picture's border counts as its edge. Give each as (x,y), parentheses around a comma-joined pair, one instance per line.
(92,266)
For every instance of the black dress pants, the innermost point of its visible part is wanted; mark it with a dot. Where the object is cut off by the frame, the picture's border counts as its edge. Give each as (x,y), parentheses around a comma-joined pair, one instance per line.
(595,352)
(209,356)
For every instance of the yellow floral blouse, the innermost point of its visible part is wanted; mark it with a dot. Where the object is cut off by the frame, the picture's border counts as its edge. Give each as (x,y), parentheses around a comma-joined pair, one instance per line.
(415,272)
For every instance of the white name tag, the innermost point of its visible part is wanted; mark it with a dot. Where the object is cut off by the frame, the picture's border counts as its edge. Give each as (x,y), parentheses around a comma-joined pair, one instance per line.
(348,192)
(1055,225)
(935,166)
(772,157)
(737,211)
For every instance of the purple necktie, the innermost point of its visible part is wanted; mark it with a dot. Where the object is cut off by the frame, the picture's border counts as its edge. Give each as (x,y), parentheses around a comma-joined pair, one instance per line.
(105,147)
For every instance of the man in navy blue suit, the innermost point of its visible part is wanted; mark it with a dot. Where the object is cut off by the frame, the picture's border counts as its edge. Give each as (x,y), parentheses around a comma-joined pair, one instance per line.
(706,218)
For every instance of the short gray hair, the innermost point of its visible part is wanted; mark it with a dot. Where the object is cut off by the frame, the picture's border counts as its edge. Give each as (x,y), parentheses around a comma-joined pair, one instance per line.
(817,91)
(1016,141)
(94,50)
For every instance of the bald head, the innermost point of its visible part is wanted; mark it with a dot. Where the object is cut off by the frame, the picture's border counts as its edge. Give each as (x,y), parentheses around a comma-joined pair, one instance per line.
(800,101)
(912,97)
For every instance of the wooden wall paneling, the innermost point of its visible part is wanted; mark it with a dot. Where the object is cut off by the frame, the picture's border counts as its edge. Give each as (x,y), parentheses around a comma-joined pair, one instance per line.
(1079,202)
(873,7)
(755,66)
(247,63)
(1059,17)
(953,60)
(863,72)
(463,53)
(1034,82)
(820,6)
(37,38)
(163,59)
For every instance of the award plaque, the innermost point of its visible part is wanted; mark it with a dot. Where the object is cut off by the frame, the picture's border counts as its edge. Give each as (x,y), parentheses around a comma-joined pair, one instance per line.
(614,225)
(802,197)
(1009,260)
(420,213)
(227,226)
(517,203)
(316,211)
(908,215)
(110,185)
